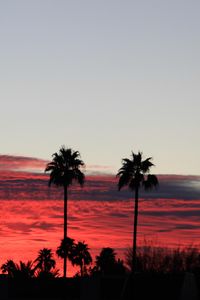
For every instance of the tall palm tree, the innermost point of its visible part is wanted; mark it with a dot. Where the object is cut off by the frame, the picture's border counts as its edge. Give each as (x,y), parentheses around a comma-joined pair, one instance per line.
(81,256)
(65,168)
(45,261)
(135,173)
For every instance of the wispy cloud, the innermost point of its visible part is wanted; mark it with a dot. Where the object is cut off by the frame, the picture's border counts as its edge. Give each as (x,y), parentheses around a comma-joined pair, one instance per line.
(21,163)
(17,181)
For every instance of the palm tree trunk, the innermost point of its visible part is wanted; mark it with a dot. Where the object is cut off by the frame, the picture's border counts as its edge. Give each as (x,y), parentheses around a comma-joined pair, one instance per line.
(65,229)
(81,265)
(134,261)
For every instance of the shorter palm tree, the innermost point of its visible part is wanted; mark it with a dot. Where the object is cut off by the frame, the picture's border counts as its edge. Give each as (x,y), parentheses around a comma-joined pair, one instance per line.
(107,264)
(65,250)
(106,260)
(9,267)
(22,270)
(81,256)
(45,263)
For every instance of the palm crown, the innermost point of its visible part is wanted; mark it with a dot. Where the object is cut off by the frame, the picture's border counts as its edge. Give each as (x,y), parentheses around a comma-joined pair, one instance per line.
(65,168)
(45,261)
(81,254)
(134,173)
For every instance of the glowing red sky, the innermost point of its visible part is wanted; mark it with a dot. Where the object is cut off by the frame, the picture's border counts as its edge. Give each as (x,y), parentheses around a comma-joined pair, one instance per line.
(32,214)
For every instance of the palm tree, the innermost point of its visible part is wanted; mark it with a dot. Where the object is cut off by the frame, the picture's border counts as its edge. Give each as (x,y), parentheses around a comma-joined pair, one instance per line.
(21,270)
(64,170)
(65,250)
(135,173)
(81,256)
(45,262)
(9,267)
(106,260)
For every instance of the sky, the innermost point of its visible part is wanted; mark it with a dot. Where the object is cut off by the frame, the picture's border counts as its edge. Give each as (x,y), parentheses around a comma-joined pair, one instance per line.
(102,77)
(100,215)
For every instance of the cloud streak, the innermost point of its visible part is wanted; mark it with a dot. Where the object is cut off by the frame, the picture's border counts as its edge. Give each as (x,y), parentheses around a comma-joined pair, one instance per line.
(19,181)
(21,163)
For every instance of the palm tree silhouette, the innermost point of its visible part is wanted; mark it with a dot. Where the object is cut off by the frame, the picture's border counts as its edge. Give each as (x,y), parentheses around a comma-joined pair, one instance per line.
(64,170)
(81,256)
(22,270)
(106,260)
(66,248)
(45,262)
(135,173)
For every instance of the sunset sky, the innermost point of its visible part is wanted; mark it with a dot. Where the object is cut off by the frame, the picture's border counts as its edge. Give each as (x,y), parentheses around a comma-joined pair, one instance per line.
(103,77)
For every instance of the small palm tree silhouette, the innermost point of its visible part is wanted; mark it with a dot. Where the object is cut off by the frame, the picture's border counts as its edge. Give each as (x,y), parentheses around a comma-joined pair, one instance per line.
(64,170)
(135,173)
(44,261)
(106,260)
(22,270)
(66,248)
(81,256)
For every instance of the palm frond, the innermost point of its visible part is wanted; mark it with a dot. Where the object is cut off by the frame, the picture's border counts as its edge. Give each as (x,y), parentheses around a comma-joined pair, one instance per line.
(150,182)
(65,168)
(146,165)
(133,170)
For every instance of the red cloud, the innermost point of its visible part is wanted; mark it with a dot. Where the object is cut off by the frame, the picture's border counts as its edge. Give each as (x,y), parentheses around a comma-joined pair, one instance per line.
(21,163)
(28,226)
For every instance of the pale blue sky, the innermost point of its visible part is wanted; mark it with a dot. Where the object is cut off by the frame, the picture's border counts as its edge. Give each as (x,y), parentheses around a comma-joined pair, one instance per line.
(103,77)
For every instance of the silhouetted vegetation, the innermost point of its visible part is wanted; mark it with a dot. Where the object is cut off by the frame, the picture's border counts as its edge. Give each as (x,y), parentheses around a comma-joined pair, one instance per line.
(42,267)
(158,269)
(45,264)
(81,257)
(154,259)
(64,170)
(135,173)
(20,271)
(107,264)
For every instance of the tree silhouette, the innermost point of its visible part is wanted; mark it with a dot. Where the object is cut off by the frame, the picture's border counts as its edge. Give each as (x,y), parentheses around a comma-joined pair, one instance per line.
(81,256)
(45,263)
(64,170)
(66,248)
(135,173)
(106,260)
(21,270)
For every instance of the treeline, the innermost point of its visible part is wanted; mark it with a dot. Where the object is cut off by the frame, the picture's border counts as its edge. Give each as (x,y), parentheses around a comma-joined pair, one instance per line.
(44,266)
(150,259)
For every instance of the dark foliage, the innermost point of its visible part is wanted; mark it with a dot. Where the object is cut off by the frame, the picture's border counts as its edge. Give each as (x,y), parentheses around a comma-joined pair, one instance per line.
(151,259)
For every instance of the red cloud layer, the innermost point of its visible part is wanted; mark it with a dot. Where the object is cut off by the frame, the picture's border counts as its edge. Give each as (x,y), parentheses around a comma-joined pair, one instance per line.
(33,216)
(10,162)
(28,226)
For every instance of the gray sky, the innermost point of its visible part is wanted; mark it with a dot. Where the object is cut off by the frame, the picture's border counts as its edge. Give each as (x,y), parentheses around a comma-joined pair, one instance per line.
(102,77)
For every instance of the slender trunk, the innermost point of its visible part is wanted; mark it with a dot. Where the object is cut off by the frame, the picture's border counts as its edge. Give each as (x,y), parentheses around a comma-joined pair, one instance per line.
(81,265)
(65,229)
(134,261)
